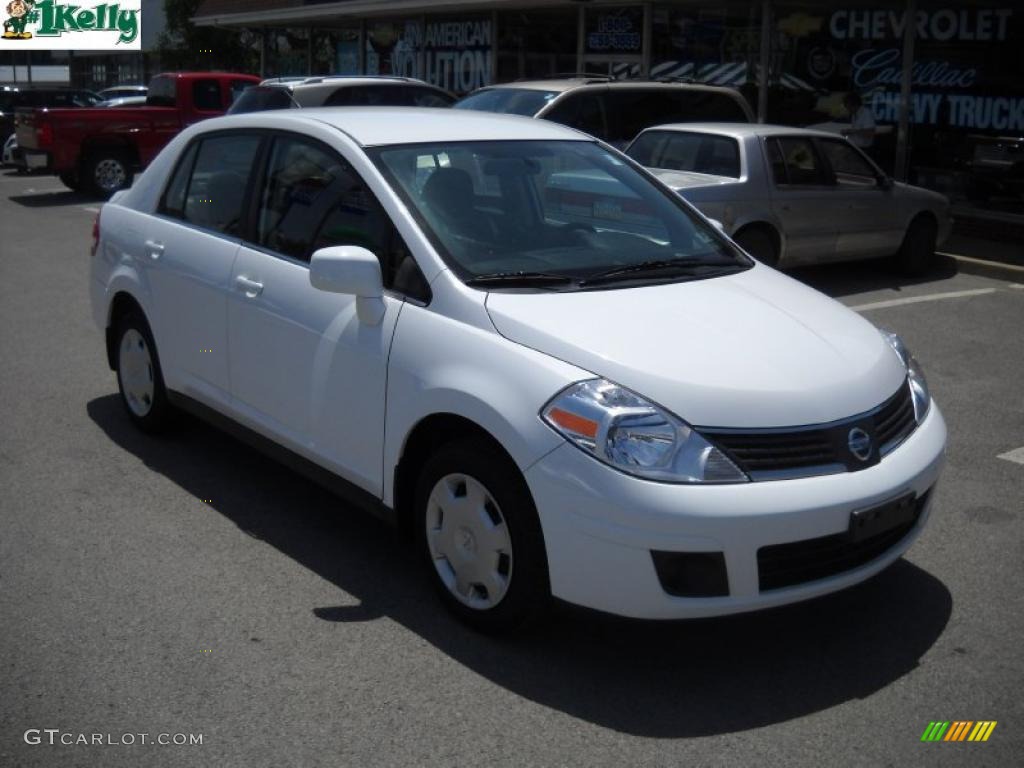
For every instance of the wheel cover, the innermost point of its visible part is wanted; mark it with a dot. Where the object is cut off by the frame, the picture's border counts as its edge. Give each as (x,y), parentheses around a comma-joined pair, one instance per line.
(469,541)
(135,369)
(110,174)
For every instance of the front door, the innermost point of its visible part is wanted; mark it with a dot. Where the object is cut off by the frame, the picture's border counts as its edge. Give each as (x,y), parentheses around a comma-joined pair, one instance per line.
(304,369)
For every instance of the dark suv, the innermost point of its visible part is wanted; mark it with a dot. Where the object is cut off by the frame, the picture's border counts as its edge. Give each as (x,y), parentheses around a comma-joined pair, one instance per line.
(341,91)
(612,110)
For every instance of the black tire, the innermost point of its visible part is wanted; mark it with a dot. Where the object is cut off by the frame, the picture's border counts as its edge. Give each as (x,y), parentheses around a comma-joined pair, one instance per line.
(916,255)
(156,417)
(71,181)
(106,172)
(528,592)
(759,243)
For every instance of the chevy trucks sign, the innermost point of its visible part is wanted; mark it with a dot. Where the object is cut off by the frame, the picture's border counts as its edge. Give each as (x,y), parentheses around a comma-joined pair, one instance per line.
(39,25)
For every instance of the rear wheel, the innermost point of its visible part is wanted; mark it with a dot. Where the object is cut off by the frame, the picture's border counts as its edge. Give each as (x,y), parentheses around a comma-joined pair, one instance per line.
(917,253)
(759,243)
(107,172)
(139,379)
(478,530)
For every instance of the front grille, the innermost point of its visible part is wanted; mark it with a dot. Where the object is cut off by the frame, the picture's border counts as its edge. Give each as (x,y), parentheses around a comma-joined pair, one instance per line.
(776,454)
(798,562)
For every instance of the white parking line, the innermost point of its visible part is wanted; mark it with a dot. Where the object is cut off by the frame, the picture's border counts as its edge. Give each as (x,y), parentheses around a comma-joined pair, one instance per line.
(1016,456)
(926,297)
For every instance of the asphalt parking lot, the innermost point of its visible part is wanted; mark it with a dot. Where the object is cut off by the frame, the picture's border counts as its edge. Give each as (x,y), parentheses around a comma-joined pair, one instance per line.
(189,585)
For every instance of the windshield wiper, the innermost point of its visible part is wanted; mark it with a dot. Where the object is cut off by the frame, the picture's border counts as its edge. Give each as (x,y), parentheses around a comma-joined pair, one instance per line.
(678,266)
(521,279)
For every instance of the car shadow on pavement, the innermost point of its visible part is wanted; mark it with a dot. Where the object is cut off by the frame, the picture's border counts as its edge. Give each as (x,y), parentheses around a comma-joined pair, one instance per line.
(51,199)
(848,278)
(655,679)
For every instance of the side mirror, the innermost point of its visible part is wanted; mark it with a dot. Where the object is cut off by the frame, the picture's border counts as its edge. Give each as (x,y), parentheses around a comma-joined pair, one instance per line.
(351,270)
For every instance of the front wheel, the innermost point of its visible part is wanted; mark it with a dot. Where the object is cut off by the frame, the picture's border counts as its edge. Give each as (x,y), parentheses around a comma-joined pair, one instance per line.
(759,243)
(139,378)
(478,530)
(106,173)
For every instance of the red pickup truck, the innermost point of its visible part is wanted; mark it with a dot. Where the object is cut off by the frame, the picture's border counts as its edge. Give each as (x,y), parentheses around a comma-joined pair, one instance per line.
(99,149)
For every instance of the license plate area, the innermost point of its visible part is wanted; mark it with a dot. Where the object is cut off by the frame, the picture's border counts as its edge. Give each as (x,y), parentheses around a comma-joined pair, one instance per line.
(866,523)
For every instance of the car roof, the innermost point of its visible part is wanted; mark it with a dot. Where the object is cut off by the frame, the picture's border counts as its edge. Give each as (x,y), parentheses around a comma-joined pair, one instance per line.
(376,126)
(740,130)
(333,81)
(560,85)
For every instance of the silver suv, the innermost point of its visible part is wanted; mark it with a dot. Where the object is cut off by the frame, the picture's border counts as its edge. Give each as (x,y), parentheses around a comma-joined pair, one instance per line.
(612,110)
(340,91)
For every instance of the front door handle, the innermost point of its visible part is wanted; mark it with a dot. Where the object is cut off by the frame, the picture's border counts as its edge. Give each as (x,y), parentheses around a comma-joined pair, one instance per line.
(251,287)
(154,249)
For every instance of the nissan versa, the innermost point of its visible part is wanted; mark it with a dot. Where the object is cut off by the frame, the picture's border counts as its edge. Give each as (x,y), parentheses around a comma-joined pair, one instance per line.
(513,340)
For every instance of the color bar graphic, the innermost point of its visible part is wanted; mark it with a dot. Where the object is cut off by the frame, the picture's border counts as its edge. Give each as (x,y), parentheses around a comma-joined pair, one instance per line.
(958,730)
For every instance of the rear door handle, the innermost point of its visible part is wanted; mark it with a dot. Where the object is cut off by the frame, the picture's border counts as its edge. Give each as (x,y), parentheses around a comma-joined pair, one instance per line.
(154,249)
(251,287)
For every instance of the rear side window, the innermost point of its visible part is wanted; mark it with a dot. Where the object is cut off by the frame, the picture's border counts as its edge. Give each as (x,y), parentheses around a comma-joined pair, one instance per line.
(800,161)
(313,199)
(218,171)
(206,95)
(261,99)
(679,151)
(583,111)
(162,92)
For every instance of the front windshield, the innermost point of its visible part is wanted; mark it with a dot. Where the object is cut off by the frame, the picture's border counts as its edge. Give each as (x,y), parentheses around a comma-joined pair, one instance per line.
(509,101)
(566,209)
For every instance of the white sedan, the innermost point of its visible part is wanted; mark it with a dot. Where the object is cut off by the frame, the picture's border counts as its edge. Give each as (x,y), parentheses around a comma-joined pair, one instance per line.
(792,196)
(505,337)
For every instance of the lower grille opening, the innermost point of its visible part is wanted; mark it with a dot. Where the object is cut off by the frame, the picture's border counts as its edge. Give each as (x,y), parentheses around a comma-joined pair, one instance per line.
(692,574)
(798,562)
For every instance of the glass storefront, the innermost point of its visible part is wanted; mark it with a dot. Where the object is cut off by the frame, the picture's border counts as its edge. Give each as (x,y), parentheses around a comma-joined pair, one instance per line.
(966,109)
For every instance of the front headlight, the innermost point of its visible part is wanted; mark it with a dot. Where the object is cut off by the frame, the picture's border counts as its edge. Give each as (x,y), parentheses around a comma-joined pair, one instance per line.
(622,429)
(918,384)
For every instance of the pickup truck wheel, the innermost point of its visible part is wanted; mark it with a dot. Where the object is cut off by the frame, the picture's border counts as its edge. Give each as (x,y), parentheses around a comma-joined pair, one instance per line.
(71,181)
(107,172)
(478,531)
(917,253)
(139,378)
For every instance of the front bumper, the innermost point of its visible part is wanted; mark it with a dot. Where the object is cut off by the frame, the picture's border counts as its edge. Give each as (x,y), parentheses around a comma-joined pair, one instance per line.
(601,526)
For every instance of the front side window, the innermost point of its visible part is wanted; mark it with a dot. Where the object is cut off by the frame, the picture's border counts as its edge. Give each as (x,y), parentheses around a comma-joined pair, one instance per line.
(582,111)
(214,195)
(850,166)
(800,162)
(683,151)
(566,210)
(206,95)
(313,199)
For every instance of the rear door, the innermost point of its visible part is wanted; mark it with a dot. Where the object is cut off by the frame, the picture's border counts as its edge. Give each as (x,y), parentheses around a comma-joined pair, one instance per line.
(803,199)
(868,217)
(187,251)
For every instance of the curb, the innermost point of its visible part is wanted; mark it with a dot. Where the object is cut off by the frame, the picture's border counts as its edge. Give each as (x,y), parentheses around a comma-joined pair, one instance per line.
(992,269)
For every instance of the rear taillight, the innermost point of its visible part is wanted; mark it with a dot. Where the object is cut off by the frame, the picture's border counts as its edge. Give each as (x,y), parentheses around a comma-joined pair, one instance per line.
(44,134)
(95,234)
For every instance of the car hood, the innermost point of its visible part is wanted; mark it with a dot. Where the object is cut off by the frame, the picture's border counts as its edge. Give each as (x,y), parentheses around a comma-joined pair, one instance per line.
(755,349)
(679,180)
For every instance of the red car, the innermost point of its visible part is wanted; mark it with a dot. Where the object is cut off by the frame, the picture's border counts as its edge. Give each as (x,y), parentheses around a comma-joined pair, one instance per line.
(100,149)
